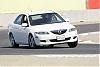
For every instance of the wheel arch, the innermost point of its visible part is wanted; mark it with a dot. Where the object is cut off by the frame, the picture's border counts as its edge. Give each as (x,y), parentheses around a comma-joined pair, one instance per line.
(10,33)
(30,34)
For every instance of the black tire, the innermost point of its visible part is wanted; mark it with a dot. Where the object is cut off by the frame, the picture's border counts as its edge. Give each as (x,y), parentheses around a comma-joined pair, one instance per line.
(31,42)
(72,44)
(12,41)
(51,46)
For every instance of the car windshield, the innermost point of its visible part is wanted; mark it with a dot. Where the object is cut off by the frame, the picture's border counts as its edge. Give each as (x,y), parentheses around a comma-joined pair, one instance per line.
(47,18)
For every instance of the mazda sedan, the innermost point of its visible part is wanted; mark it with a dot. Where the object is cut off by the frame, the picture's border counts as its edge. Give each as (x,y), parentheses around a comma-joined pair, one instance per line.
(44,28)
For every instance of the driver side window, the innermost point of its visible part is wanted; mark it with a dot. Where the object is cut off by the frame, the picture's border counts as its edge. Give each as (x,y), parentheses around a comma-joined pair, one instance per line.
(25,20)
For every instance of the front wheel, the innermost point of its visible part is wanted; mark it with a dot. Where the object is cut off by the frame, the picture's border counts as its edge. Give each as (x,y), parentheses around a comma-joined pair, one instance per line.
(31,41)
(51,46)
(72,44)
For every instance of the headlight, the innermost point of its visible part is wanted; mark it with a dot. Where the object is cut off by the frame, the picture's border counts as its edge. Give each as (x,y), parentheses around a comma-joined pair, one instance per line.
(41,33)
(72,29)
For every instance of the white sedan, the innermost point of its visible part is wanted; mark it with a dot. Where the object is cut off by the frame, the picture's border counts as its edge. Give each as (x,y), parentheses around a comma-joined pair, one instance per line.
(42,28)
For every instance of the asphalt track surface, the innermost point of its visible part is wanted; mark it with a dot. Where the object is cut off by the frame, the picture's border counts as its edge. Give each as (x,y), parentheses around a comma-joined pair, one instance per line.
(5,48)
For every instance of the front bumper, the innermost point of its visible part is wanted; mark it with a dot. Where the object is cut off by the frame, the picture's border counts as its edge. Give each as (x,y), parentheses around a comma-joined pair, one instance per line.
(52,38)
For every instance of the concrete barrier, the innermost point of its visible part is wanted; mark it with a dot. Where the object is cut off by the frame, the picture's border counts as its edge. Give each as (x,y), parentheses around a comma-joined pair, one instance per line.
(81,15)
(6,18)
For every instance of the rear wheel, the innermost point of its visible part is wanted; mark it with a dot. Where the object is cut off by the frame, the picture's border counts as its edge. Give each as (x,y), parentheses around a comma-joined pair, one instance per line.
(31,41)
(72,44)
(12,41)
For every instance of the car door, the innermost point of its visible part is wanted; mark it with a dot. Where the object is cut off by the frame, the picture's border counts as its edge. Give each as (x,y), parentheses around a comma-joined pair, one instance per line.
(24,30)
(17,29)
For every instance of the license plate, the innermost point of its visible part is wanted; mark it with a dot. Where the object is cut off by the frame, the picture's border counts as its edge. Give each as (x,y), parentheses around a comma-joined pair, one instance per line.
(61,37)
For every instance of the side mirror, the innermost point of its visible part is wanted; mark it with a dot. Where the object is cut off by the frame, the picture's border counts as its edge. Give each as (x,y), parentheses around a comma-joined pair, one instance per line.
(24,24)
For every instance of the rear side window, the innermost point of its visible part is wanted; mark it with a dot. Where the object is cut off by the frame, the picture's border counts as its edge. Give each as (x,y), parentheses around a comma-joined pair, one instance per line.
(18,20)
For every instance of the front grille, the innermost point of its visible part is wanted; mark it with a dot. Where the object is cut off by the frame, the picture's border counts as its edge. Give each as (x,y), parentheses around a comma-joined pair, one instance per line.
(59,32)
(43,40)
(55,40)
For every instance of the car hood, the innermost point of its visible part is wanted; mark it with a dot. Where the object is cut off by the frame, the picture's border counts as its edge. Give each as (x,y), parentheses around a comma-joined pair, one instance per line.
(50,27)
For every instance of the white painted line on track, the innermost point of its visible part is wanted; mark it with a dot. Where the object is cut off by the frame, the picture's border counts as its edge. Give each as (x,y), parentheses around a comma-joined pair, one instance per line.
(47,66)
(95,32)
(68,56)
(80,40)
(84,34)
(88,41)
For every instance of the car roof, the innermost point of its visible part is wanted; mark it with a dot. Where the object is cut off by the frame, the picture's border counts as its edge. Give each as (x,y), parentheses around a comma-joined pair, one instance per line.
(37,12)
